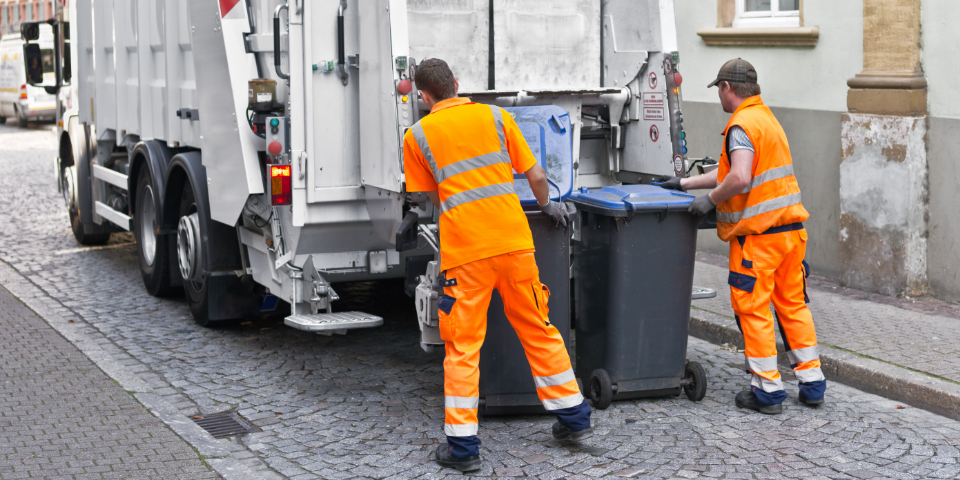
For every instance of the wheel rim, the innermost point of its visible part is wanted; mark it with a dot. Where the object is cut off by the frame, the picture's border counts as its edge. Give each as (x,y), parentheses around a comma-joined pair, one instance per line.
(596,389)
(692,386)
(148,226)
(188,245)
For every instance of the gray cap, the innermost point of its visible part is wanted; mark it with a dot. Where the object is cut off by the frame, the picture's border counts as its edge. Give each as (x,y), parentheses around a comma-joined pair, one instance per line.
(737,70)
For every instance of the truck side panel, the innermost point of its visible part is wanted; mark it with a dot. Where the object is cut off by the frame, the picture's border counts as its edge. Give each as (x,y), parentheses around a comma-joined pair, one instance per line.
(86,73)
(127,50)
(181,76)
(104,113)
(152,71)
(223,68)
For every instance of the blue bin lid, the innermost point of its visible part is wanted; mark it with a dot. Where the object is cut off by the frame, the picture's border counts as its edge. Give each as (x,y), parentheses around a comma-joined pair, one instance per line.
(549,134)
(618,201)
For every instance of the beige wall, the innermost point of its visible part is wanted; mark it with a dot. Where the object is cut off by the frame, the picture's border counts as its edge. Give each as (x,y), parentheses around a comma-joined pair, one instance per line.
(794,77)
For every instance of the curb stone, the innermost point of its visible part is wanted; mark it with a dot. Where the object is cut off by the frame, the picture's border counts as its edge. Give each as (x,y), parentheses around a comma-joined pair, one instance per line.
(864,373)
(217,455)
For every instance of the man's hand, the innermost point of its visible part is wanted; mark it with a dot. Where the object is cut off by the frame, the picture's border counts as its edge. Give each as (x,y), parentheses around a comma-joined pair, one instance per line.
(702,205)
(671,183)
(557,212)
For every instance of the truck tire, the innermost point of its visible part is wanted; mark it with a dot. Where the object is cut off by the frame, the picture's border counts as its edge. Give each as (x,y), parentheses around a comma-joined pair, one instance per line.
(22,121)
(152,248)
(3,120)
(197,291)
(69,176)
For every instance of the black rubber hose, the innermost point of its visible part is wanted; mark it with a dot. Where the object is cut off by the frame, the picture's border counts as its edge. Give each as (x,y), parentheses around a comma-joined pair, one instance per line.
(341,57)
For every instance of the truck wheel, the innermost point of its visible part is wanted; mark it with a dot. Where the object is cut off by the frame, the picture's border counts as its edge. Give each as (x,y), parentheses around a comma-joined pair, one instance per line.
(69,177)
(22,121)
(190,255)
(152,248)
(3,120)
(601,389)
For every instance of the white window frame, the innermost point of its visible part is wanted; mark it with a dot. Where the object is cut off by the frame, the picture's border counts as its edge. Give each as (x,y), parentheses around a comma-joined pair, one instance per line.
(774,18)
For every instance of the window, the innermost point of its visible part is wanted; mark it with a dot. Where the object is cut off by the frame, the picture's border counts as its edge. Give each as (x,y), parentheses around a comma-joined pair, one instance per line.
(767,13)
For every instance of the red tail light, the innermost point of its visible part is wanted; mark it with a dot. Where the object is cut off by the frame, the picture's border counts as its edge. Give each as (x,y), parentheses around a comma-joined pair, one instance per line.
(280,193)
(23,92)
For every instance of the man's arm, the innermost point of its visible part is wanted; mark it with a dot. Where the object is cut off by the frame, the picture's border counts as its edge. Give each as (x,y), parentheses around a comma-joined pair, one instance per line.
(538,183)
(741,163)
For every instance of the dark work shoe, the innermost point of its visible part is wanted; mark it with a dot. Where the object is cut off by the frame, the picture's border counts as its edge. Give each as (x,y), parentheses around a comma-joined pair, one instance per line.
(747,399)
(812,403)
(444,458)
(562,432)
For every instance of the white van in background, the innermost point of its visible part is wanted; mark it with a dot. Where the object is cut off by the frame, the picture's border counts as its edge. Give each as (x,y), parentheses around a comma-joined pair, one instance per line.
(17,99)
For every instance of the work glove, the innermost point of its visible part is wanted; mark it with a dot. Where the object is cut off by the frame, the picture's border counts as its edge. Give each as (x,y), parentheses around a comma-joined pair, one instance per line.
(702,205)
(670,183)
(556,211)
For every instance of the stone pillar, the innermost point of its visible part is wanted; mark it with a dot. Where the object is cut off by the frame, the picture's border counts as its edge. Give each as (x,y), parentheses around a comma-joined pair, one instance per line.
(883,169)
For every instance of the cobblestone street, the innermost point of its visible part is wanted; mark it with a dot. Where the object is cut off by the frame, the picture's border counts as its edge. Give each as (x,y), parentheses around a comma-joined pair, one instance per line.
(370,404)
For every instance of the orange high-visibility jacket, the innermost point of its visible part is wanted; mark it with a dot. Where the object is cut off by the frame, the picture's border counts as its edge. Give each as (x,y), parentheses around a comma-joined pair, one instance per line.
(468,152)
(773,197)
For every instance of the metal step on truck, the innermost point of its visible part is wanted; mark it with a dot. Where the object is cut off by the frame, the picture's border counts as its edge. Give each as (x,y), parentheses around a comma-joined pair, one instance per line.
(254,147)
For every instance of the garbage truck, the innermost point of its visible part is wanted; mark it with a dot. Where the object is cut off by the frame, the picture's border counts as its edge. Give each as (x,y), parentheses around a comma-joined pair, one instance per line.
(254,147)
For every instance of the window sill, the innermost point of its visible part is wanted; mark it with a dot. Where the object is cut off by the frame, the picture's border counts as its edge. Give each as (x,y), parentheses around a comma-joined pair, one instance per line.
(772,36)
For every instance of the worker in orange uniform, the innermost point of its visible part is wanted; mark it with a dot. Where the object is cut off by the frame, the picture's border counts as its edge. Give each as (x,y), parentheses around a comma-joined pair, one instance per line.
(463,155)
(760,214)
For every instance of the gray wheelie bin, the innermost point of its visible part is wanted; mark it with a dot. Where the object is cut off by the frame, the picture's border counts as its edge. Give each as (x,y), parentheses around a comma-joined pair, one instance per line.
(633,274)
(506,384)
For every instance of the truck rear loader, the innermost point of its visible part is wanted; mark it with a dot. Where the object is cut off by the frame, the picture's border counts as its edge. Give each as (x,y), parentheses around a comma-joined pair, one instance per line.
(254,147)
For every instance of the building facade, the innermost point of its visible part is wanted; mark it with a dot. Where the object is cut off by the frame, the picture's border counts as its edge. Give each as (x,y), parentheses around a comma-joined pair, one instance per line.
(12,12)
(866,91)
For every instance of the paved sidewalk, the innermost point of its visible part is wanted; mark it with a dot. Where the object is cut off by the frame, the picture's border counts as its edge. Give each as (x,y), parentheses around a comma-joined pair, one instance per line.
(62,417)
(900,348)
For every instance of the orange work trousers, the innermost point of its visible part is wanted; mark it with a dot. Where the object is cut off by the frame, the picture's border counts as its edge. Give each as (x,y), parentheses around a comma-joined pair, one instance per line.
(463,326)
(765,268)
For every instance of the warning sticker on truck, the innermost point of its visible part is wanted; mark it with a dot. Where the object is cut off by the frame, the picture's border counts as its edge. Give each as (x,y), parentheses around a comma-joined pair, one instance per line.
(653,99)
(653,113)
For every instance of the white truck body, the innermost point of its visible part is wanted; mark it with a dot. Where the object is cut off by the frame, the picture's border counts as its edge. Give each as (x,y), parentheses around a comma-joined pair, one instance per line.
(169,79)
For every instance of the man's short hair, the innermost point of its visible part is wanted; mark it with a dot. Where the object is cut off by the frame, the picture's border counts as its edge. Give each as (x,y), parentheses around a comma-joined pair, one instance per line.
(435,77)
(744,90)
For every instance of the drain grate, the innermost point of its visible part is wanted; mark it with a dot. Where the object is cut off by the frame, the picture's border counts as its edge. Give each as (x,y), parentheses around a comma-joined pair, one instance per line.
(224,424)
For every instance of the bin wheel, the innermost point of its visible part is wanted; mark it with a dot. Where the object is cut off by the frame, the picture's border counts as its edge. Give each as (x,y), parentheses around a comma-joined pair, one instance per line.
(601,389)
(696,385)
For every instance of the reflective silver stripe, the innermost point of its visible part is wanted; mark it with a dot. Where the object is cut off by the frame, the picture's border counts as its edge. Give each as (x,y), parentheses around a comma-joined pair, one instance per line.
(461,402)
(475,194)
(801,355)
(498,121)
(474,163)
(566,402)
(767,364)
(467,430)
(809,375)
(554,380)
(772,174)
(421,139)
(762,207)
(768,386)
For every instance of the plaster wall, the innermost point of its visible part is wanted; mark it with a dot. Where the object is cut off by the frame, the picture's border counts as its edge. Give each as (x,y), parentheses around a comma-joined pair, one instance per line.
(883,203)
(940,37)
(809,78)
(814,138)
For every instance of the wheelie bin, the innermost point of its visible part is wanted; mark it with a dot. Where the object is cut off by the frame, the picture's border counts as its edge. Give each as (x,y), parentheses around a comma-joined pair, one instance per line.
(506,384)
(633,274)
